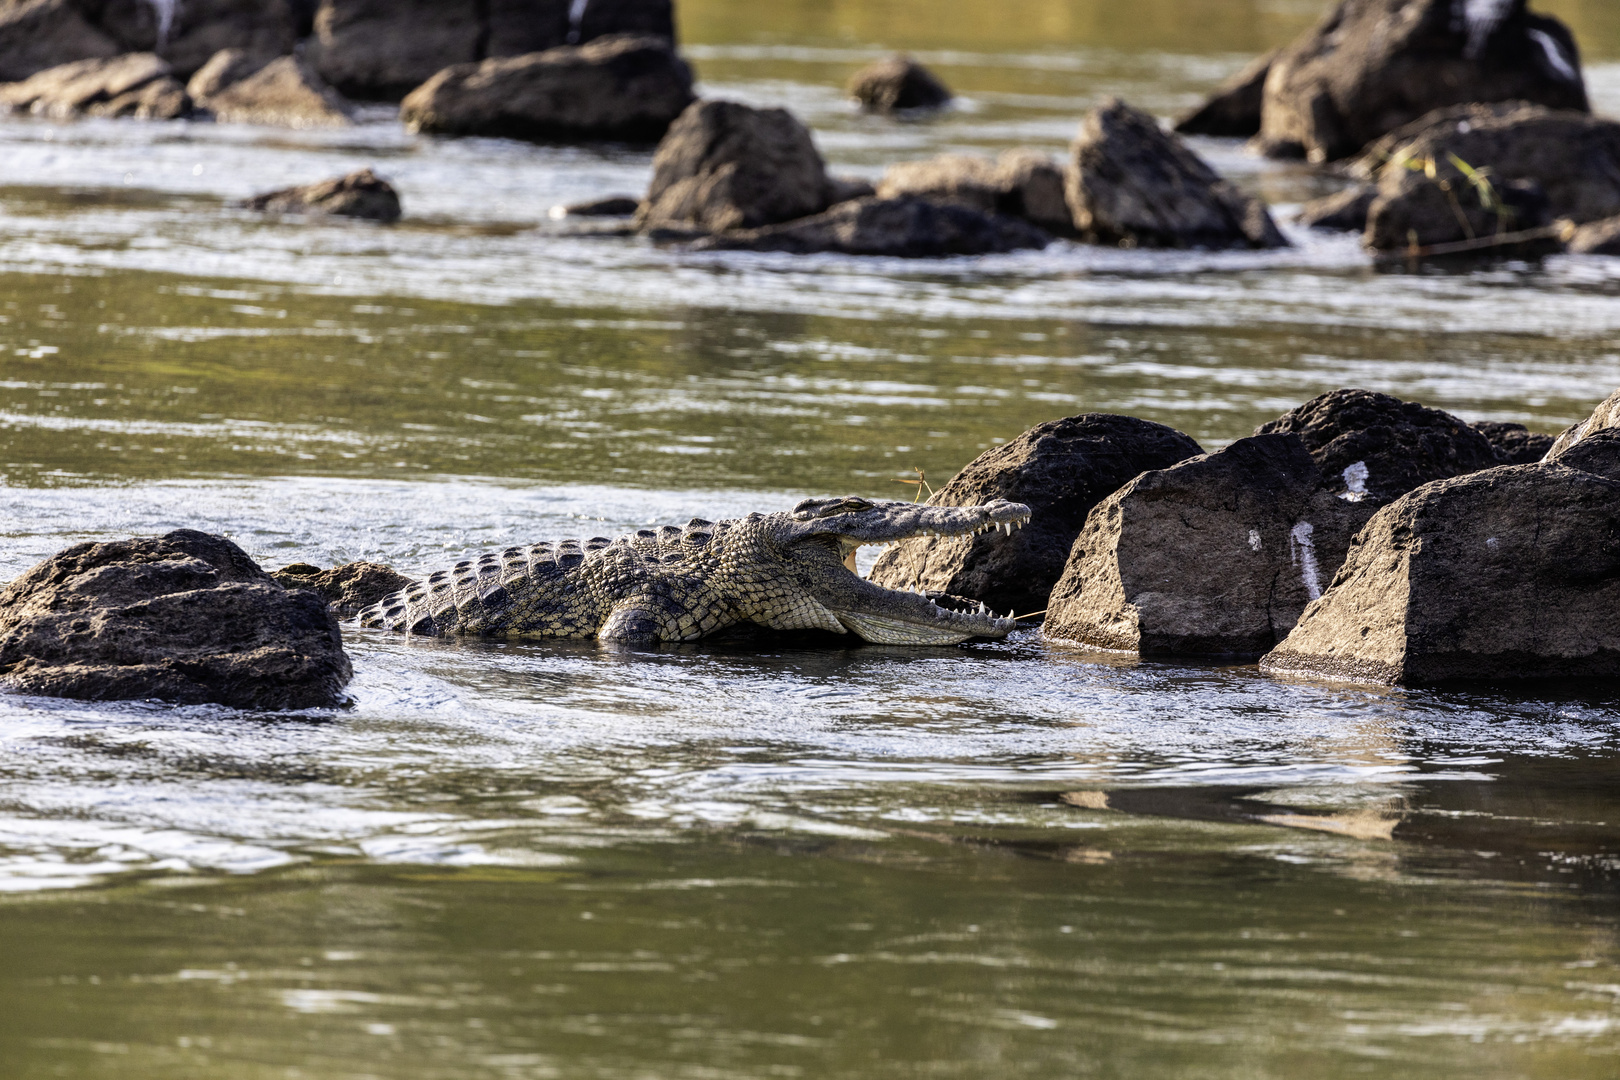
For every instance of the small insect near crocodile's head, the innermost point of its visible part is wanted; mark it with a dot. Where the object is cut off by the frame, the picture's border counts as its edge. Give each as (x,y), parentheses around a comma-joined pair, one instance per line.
(818,539)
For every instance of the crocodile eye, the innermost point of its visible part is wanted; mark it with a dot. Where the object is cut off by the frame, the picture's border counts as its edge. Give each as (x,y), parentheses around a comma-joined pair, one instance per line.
(852,505)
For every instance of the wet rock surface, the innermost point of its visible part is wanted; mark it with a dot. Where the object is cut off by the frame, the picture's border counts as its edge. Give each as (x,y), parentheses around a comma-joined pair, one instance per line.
(617,87)
(137,85)
(1233,110)
(1529,164)
(1598,453)
(906,227)
(284,92)
(1020,183)
(1373,65)
(185,618)
(347,588)
(1509,573)
(188,34)
(1136,185)
(1213,556)
(1514,444)
(36,35)
(725,165)
(1060,470)
(1603,418)
(361,194)
(896,84)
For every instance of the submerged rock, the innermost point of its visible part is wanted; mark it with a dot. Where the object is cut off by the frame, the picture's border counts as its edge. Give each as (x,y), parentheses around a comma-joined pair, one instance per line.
(897,84)
(610,206)
(724,165)
(1345,209)
(1513,444)
(186,618)
(1136,185)
(906,227)
(1233,110)
(1603,418)
(347,588)
(1509,573)
(1373,65)
(36,35)
(1020,183)
(361,194)
(617,87)
(283,92)
(1214,556)
(1060,470)
(138,85)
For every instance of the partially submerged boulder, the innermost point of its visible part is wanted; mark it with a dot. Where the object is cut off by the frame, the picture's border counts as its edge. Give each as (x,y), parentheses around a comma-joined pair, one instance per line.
(1513,444)
(360,194)
(185,618)
(1233,110)
(346,589)
(1603,418)
(1213,556)
(1509,573)
(1346,210)
(905,227)
(617,87)
(1020,183)
(725,165)
(1060,470)
(1136,185)
(897,84)
(1373,65)
(1478,171)
(284,92)
(138,85)
(36,35)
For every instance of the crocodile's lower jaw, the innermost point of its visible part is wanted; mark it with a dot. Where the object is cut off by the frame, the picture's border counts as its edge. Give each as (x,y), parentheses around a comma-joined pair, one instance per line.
(886,630)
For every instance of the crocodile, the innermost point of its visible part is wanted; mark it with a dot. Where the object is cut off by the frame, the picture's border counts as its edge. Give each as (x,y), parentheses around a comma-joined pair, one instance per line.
(792,570)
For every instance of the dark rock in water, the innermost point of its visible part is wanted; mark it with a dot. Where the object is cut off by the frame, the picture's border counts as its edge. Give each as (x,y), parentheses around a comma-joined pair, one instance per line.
(346,589)
(906,227)
(1233,110)
(1509,573)
(284,92)
(1376,448)
(1514,444)
(1345,209)
(1604,417)
(724,165)
(844,188)
(1214,556)
(895,84)
(603,17)
(1060,470)
(1529,165)
(1596,238)
(361,194)
(186,618)
(1136,185)
(617,87)
(1021,183)
(188,34)
(36,35)
(1373,65)
(1597,453)
(138,85)
(612,206)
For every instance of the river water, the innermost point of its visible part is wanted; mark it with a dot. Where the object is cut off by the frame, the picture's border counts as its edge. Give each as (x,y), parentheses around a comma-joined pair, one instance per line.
(533,861)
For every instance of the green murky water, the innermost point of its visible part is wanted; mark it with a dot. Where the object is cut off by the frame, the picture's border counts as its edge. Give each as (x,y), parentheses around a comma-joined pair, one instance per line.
(546,861)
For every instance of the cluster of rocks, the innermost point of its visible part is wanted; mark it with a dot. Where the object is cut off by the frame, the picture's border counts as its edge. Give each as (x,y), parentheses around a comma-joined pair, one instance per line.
(1356,537)
(1464,126)
(731,176)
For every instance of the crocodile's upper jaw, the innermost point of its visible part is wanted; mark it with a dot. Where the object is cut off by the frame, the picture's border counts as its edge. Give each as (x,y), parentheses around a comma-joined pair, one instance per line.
(895,616)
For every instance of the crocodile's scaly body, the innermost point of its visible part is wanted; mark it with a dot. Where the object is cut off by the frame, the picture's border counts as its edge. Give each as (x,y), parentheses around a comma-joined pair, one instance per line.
(787,571)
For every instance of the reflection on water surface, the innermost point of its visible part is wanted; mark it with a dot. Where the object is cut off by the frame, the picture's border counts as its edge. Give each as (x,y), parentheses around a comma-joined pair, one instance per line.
(788,857)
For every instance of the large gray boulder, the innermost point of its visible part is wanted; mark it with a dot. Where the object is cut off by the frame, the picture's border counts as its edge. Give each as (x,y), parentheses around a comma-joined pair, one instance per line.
(1372,65)
(1020,183)
(1234,108)
(188,34)
(897,84)
(1528,164)
(1605,417)
(36,35)
(360,194)
(1509,573)
(618,87)
(138,85)
(1136,185)
(725,165)
(1060,470)
(185,618)
(905,227)
(284,92)
(1214,556)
